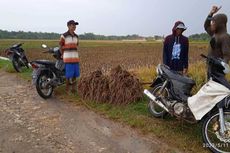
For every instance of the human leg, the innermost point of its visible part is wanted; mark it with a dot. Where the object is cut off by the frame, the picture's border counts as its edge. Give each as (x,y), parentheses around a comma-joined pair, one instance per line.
(68,74)
(75,76)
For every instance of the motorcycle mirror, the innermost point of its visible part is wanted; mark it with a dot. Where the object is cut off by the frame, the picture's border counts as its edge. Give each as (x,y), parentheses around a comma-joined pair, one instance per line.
(44,46)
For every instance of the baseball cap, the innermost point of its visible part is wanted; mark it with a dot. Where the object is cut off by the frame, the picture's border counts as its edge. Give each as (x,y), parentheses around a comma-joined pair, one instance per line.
(72,22)
(181,26)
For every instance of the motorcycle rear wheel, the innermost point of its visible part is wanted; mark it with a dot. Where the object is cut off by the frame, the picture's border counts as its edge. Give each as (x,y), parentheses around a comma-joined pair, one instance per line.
(26,62)
(212,139)
(16,64)
(153,108)
(44,90)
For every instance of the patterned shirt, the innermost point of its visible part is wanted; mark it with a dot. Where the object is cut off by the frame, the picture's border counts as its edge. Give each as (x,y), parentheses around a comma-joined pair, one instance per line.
(69,44)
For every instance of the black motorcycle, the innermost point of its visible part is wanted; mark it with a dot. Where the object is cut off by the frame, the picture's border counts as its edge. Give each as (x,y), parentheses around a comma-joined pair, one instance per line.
(170,94)
(17,55)
(48,74)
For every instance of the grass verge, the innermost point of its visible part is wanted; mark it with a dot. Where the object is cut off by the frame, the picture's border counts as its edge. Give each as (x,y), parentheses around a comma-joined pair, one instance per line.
(8,67)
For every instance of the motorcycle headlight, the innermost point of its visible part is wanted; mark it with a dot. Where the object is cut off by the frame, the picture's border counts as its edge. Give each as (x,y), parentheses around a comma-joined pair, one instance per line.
(157,70)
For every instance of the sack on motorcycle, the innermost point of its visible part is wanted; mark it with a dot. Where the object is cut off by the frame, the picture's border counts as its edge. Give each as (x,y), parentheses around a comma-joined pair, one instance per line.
(183,86)
(206,98)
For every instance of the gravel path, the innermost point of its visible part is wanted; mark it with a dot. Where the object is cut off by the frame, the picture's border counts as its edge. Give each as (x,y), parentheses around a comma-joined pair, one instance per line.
(29,124)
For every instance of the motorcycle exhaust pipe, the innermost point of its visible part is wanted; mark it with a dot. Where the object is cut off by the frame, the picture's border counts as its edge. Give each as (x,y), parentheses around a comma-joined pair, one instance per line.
(153,98)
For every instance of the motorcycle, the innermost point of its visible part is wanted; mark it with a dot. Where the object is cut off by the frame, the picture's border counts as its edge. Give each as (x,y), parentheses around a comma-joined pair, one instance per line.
(47,75)
(170,93)
(17,55)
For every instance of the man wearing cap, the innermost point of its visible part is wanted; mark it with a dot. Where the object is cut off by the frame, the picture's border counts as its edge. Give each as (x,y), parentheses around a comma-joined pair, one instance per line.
(215,26)
(69,43)
(175,49)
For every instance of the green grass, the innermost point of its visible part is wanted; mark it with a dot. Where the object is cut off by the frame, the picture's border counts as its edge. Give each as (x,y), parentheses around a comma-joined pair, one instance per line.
(28,44)
(8,67)
(27,74)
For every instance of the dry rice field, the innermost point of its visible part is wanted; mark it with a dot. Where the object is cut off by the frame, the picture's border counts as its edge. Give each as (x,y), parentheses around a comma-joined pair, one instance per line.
(105,55)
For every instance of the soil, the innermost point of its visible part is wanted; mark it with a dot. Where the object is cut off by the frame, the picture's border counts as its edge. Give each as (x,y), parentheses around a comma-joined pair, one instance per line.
(30,124)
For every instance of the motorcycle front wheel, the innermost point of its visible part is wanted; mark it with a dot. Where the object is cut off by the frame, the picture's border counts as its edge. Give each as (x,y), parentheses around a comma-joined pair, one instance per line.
(44,89)
(212,138)
(153,108)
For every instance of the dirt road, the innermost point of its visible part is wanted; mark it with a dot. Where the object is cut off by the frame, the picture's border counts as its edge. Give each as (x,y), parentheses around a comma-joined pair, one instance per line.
(29,124)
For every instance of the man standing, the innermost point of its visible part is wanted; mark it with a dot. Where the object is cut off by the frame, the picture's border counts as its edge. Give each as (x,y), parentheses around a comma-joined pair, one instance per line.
(175,50)
(216,27)
(69,43)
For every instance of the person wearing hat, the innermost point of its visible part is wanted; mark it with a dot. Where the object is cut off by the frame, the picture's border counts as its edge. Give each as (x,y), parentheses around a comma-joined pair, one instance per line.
(175,49)
(69,43)
(216,27)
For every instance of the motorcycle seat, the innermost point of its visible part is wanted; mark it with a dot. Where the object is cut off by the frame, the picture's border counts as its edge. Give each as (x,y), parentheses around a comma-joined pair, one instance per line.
(176,76)
(45,62)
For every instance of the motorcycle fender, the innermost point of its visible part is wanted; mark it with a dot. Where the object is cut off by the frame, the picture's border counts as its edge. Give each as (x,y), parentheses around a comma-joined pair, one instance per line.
(35,74)
(38,72)
(157,81)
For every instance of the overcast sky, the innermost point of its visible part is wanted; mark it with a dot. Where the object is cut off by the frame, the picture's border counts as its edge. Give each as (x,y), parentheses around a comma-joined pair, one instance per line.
(108,17)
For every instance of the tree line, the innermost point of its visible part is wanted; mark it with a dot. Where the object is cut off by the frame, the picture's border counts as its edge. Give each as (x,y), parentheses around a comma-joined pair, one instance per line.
(27,35)
(88,36)
(200,37)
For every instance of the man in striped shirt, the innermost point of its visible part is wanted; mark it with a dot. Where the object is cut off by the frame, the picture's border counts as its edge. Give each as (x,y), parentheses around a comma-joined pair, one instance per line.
(69,44)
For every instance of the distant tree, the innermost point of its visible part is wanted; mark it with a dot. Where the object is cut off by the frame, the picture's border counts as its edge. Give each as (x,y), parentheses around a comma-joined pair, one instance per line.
(27,35)
(156,37)
(202,37)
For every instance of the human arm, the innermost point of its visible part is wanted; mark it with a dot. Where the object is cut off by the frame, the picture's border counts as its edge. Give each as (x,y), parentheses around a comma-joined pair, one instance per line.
(207,23)
(165,53)
(186,49)
(225,45)
(62,43)
(77,40)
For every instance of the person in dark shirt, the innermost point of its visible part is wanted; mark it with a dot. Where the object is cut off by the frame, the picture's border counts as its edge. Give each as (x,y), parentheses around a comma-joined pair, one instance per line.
(175,49)
(216,27)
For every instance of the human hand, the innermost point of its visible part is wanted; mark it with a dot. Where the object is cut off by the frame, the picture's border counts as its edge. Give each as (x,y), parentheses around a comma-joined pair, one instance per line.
(214,9)
(185,71)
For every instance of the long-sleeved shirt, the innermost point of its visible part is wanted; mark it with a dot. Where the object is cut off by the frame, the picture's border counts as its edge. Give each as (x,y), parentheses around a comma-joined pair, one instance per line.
(220,42)
(180,63)
(175,50)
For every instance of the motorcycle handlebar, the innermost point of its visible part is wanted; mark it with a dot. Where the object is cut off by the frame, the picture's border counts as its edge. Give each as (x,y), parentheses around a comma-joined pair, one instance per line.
(17,45)
(45,51)
(50,50)
(204,56)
